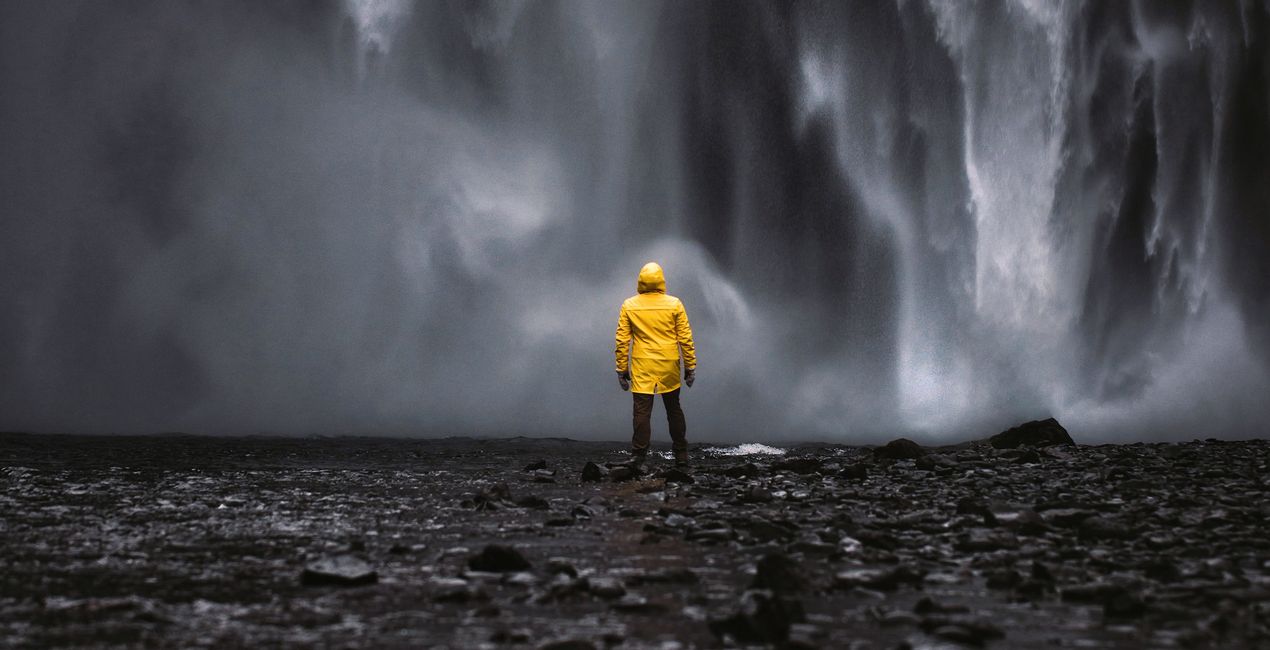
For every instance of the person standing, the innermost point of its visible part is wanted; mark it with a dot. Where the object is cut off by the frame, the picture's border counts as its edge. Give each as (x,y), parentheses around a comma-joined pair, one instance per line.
(652,334)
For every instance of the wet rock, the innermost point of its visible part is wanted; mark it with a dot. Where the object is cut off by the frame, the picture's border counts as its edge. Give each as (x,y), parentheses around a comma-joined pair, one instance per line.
(1037,433)
(962,629)
(532,501)
(677,475)
(340,571)
(455,590)
(801,465)
(932,462)
(560,565)
(762,617)
(763,530)
(1004,579)
(676,576)
(982,540)
(744,470)
(592,473)
(637,604)
(605,587)
(568,644)
(856,472)
(880,579)
(623,473)
(899,449)
(711,535)
(777,573)
(928,605)
(498,496)
(536,465)
(519,635)
(756,494)
(1105,528)
(497,558)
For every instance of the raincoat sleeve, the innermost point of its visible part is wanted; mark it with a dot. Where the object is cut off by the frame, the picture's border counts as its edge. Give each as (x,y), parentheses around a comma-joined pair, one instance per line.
(683,334)
(622,348)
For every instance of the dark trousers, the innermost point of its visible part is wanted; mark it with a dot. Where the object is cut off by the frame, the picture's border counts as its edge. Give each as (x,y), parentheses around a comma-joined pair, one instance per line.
(643,425)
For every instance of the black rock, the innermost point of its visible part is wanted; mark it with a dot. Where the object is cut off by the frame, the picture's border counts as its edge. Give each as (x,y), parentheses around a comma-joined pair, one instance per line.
(898,449)
(800,465)
(677,475)
(559,565)
(858,471)
(1037,433)
(1105,528)
(880,579)
(624,473)
(757,494)
(536,465)
(741,471)
(533,501)
(592,473)
(568,644)
(1124,604)
(339,570)
(498,559)
(777,573)
(763,617)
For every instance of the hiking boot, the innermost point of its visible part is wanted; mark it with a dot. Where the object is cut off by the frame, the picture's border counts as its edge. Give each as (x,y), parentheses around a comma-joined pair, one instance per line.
(681,459)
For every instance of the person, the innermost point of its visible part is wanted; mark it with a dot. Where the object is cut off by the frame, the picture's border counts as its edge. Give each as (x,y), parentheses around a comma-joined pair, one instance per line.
(653,330)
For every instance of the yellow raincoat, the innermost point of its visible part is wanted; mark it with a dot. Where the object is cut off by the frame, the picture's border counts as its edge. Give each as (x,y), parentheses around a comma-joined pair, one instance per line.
(653,329)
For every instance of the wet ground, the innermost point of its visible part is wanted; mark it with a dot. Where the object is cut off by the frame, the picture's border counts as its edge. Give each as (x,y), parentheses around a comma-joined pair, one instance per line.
(180,541)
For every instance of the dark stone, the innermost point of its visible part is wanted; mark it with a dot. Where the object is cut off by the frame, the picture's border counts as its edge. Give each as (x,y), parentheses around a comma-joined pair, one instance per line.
(533,501)
(757,494)
(858,471)
(536,465)
(559,565)
(498,559)
(677,475)
(1105,528)
(340,571)
(636,604)
(1124,604)
(1037,433)
(777,573)
(741,471)
(664,576)
(962,629)
(762,618)
(899,449)
(592,473)
(624,473)
(880,579)
(1004,579)
(801,465)
(605,587)
(568,644)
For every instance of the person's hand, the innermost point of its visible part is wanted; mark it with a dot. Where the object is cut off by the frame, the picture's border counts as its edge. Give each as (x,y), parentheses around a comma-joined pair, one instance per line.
(690,375)
(624,380)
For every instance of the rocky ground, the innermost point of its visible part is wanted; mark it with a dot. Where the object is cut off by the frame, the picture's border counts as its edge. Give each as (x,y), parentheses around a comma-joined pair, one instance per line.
(230,542)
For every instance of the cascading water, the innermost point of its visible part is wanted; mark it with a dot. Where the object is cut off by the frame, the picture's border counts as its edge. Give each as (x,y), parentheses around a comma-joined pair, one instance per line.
(911,218)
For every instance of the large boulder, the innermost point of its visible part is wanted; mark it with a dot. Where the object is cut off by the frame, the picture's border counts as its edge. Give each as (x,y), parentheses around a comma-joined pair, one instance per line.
(899,448)
(1037,433)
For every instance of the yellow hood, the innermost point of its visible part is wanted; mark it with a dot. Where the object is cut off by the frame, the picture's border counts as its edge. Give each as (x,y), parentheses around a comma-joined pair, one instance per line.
(651,279)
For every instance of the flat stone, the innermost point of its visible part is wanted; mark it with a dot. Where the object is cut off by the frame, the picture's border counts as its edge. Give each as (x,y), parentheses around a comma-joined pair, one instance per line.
(339,570)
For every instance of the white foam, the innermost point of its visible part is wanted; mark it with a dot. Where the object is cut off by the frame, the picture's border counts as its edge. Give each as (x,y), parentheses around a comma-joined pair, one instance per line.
(747,449)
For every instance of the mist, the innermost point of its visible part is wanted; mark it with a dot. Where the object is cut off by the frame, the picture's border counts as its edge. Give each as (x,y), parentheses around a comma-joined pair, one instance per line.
(419,219)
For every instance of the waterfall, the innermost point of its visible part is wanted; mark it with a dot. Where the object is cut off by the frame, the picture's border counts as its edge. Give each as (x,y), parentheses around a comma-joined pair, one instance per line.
(920,218)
